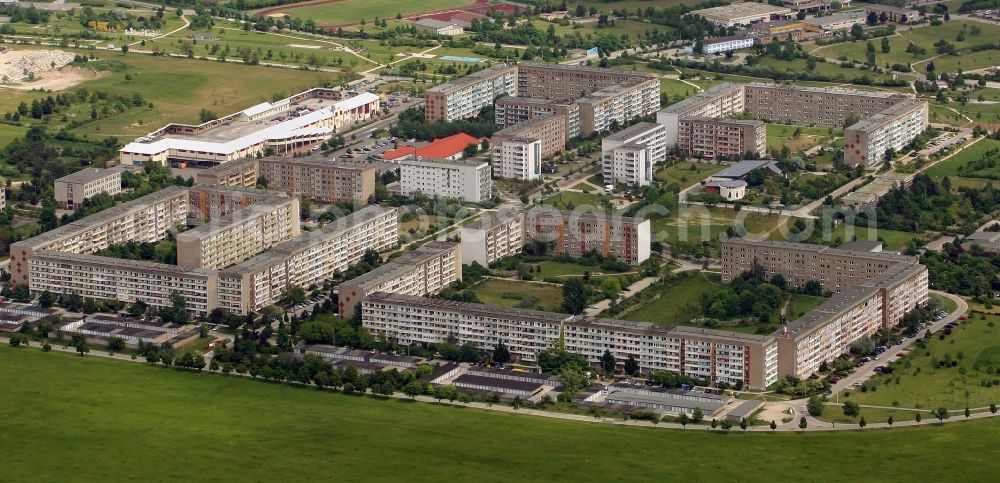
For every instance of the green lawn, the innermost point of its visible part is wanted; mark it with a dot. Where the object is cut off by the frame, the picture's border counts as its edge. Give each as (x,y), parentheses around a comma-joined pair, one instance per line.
(564,269)
(779,135)
(678,303)
(946,303)
(110,421)
(687,173)
(950,166)
(894,240)
(514,293)
(570,200)
(799,304)
(833,71)
(353,11)
(976,348)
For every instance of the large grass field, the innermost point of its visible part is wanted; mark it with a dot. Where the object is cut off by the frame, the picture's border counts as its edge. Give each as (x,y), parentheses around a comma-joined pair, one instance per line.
(687,173)
(352,11)
(515,293)
(779,135)
(950,166)
(99,420)
(894,240)
(974,345)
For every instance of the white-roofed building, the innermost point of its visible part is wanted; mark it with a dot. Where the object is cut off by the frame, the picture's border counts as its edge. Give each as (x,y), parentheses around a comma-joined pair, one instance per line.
(286,126)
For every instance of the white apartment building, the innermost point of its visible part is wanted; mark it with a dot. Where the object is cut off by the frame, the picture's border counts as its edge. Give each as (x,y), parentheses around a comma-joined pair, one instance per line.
(628,164)
(464,97)
(721,45)
(310,259)
(494,236)
(866,142)
(650,134)
(71,190)
(461,179)
(739,359)
(518,158)
(425,271)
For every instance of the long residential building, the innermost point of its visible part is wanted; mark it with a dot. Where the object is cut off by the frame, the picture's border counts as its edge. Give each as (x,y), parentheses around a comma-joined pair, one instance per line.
(316,178)
(618,104)
(874,290)
(240,235)
(464,97)
(461,179)
(712,138)
(886,120)
(494,236)
(425,271)
(287,126)
(513,110)
(576,233)
(308,260)
(742,360)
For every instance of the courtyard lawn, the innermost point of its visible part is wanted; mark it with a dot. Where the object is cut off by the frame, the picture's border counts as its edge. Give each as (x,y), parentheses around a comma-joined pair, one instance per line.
(894,240)
(676,304)
(779,135)
(90,415)
(692,224)
(687,173)
(570,200)
(520,294)
(833,71)
(799,304)
(925,382)
(950,166)
(677,89)
(553,269)
(353,11)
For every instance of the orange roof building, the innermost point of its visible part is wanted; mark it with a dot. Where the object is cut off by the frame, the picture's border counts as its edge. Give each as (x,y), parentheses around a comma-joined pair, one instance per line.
(450,147)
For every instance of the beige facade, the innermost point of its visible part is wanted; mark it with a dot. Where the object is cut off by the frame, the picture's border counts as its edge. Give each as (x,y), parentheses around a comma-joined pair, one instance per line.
(240,235)
(738,359)
(721,138)
(514,110)
(424,272)
(494,236)
(618,104)
(214,202)
(873,290)
(867,142)
(71,190)
(550,130)
(463,97)
(315,178)
(461,179)
(558,81)
(146,219)
(576,233)
(310,259)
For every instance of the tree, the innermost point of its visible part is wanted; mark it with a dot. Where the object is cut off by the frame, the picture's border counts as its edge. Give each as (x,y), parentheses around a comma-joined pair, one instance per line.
(124,49)
(116,344)
(631,366)
(744,424)
(470,150)
(815,406)
(81,348)
(413,389)
(16,340)
(773,425)
(919,418)
(886,48)
(500,354)
(803,423)
(697,416)
(714,423)
(574,296)
(726,425)
(941,413)
(683,419)
(993,408)
(889,421)
(863,346)
(862,423)
(46,299)
(851,409)
(608,362)
(857,32)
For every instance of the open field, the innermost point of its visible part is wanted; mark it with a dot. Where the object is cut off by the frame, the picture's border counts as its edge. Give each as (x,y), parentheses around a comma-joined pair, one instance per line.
(687,173)
(566,269)
(353,11)
(823,68)
(925,382)
(569,200)
(779,135)
(79,408)
(894,240)
(950,167)
(525,295)
(677,304)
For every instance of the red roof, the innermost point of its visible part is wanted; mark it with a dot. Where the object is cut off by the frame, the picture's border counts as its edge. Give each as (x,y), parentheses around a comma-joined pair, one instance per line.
(437,149)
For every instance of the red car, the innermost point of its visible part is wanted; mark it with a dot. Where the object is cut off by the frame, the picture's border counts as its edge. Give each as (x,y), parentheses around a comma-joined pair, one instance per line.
(963,317)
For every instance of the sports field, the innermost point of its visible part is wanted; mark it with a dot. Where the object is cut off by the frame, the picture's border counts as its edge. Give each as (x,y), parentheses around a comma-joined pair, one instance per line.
(67,418)
(352,11)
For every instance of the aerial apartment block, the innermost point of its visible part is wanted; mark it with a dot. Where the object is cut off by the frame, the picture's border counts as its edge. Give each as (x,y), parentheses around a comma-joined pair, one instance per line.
(741,360)
(240,235)
(628,155)
(287,126)
(494,236)
(887,120)
(873,290)
(461,179)
(425,271)
(712,138)
(550,130)
(73,189)
(514,110)
(576,233)
(463,97)
(517,158)
(316,178)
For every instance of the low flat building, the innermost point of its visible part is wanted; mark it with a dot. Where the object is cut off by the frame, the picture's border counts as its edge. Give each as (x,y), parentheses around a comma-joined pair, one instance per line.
(451,147)
(745,13)
(424,271)
(837,21)
(729,190)
(73,190)
(889,13)
(494,236)
(521,389)
(462,179)
(740,170)
(666,401)
(438,27)
(721,45)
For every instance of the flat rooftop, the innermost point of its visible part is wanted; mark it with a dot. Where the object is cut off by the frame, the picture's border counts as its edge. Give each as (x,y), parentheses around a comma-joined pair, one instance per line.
(496,383)
(737,11)
(404,264)
(89,174)
(632,131)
